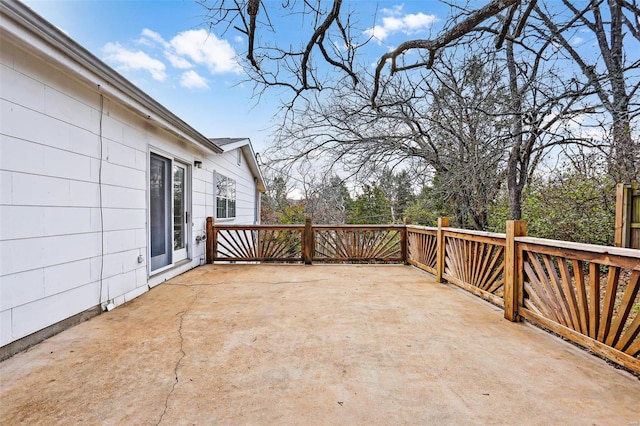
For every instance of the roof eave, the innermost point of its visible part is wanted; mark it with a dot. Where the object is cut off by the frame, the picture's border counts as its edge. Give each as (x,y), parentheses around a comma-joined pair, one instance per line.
(29,21)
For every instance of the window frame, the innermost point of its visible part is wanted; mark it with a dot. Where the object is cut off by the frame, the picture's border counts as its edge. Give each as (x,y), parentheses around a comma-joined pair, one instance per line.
(226,197)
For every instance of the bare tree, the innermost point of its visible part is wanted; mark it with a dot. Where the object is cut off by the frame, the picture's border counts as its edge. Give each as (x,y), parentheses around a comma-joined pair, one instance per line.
(390,126)
(333,39)
(542,101)
(613,74)
(454,119)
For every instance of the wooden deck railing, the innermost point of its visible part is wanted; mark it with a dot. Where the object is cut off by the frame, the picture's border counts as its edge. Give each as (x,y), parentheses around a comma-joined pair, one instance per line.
(306,243)
(363,243)
(586,293)
(282,243)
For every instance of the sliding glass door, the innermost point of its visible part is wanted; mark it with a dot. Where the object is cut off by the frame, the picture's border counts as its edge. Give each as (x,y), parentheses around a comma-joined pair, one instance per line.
(168,216)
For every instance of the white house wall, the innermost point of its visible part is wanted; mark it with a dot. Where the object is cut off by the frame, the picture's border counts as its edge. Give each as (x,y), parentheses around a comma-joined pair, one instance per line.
(53,233)
(226,164)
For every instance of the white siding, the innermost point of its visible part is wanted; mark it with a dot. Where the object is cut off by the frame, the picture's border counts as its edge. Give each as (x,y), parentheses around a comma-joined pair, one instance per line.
(49,213)
(227,165)
(72,226)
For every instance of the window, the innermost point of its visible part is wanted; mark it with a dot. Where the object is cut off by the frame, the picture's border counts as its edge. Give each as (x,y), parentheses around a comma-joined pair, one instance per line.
(225,198)
(239,156)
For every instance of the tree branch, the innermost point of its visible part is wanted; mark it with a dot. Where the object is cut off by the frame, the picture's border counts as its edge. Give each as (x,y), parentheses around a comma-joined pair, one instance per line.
(432,46)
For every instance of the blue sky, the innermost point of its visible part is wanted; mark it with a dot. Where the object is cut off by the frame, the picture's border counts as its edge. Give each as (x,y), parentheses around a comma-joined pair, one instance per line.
(164,48)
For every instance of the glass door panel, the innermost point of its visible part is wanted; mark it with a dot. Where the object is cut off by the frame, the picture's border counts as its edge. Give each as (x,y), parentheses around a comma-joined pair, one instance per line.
(180,216)
(160,211)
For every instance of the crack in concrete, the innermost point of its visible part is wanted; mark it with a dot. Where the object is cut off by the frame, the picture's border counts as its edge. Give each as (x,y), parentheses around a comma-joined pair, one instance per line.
(183,354)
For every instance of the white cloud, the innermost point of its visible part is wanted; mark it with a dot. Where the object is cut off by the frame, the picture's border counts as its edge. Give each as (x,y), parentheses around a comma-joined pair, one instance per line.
(191,50)
(394,11)
(576,41)
(379,33)
(206,49)
(127,60)
(177,61)
(153,39)
(418,22)
(191,80)
(150,38)
(394,22)
(238,39)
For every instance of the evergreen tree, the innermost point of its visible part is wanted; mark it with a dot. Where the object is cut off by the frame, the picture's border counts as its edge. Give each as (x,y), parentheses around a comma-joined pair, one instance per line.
(370,207)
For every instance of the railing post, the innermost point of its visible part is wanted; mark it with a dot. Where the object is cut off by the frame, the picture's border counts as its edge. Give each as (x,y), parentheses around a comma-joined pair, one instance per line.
(404,240)
(210,243)
(513,279)
(622,231)
(307,243)
(443,222)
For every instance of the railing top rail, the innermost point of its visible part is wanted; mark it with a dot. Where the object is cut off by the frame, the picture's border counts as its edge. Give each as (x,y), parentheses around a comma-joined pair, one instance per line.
(473,232)
(235,226)
(356,227)
(423,228)
(301,226)
(592,248)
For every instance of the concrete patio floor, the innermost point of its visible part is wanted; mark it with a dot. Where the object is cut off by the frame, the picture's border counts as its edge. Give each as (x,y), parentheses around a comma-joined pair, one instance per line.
(322,344)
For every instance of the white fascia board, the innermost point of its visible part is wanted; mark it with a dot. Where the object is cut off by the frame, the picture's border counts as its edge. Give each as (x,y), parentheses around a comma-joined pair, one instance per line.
(250,155)
(28,30)
(235,145)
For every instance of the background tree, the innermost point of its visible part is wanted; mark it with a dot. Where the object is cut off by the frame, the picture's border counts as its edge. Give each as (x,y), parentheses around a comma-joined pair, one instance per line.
(573,202)
(398,190)
(455,122)
(329,38)
(468,124)
(333,202)
(428,206)
(274,200)
(613,74)
(370,207)
(556,92)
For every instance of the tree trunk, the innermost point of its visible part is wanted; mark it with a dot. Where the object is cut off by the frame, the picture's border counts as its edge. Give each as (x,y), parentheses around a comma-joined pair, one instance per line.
(515,201)
(624,166)
(515,183)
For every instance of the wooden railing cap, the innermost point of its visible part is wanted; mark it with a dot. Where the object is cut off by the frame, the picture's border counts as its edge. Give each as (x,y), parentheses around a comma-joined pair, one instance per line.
(423,228)
(473,232)
(592,248)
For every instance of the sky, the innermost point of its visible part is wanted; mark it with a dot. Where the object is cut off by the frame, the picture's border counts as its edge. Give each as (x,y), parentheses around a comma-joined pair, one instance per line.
(164,47)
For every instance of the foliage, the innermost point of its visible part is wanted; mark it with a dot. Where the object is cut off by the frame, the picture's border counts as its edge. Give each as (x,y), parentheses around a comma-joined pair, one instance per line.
(397,189)
(426,208)
(294,213)
(370,207)
(568,206)
(274,200)
(328,202)
(574,203)
(572,207)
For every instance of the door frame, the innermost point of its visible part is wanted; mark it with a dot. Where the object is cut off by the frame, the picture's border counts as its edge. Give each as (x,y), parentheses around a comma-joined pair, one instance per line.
(172,158)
